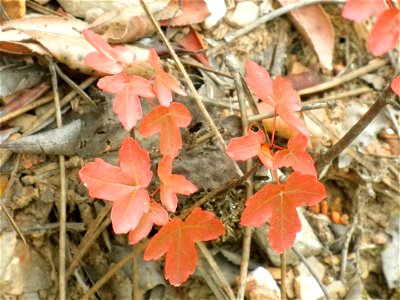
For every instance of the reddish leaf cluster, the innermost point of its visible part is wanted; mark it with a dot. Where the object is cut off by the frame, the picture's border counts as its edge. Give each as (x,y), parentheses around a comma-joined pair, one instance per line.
(385,33)
(126,186)
(278,202)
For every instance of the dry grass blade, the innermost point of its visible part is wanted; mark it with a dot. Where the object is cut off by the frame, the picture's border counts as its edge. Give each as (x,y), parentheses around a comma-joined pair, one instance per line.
(63,192)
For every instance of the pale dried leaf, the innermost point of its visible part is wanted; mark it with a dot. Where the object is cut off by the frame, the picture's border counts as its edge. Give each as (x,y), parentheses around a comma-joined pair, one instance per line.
(315,26)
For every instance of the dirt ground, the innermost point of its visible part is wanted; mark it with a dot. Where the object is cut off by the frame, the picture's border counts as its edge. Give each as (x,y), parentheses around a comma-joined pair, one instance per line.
(356,228)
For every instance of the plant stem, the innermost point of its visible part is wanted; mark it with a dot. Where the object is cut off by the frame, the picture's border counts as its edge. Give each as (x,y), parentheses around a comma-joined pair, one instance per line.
(283,275)
(354,132)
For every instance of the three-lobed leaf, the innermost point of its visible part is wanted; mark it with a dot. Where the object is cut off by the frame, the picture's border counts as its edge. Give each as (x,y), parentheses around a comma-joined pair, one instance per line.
(164,83)
(107,59)
(124,185)
(156,215)
(128,88)
(296,156)
(278,203)
(176,240)
(278,93)
(167,121)
(172,184)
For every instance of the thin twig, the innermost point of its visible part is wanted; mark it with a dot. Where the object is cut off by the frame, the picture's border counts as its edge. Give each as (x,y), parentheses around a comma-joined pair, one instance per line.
(110,273)
(74,86)
(230,37)
(331,104)
(353,133)
(70,226)
(7,196)
(341,95)
(97,227)
(372,66)
(42,9)
(312,272)
(219,190)
(190,84)
(63,191)
(352,152)
(204,68)
(362,196)
(64,101)
(5,155)
(224,284)
(135,279)
(25,108)
(233,67)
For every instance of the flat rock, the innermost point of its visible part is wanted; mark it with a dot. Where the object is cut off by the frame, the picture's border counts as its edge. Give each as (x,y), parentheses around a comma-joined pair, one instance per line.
(261,285)
(315,265)
(337,289)
(391,255)
(306,242)
(307,288)
(245,13)
(217,10)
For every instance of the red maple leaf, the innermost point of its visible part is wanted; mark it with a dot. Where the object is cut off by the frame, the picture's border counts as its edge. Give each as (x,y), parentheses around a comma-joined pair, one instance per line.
(278,202)
(250,145)
(278,94)
(177,241)
(395,85)
(156,215)
(107,60)
(359,10)
(166,121)
(385,33)
(124,185)
(172,184)
(128,88)
(296,156)
(164,82)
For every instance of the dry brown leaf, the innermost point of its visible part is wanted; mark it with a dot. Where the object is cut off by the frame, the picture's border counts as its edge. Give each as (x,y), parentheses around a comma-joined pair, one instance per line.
(15,9)
(194,41)
(315,26)
(127,24)
(52,24)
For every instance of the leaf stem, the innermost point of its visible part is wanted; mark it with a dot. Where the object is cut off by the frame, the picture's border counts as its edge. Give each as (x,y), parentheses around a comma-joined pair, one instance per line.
(283,275)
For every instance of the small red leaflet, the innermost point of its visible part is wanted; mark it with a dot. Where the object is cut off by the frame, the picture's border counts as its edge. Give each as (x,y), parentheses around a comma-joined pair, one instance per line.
(128,88)
(167,121)
(176,240)
(156,215)
(296,156)
(172,184)
(278,203)
(395,85)
(124,185)
(279,94)
(250,145)
(107,59)
(164,83)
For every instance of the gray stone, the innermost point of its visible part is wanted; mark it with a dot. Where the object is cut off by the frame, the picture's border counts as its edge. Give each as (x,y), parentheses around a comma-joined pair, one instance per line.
(245,13)
(261,285)
(307,288)
(391,255)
